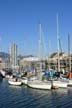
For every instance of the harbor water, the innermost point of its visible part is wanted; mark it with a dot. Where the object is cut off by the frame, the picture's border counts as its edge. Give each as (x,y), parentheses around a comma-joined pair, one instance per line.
(24,97)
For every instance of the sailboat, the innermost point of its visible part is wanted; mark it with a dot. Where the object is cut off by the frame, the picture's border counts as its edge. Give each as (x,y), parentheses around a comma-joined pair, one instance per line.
(15,82)
(39,83)
(70,73)
(68,80)
(59,83)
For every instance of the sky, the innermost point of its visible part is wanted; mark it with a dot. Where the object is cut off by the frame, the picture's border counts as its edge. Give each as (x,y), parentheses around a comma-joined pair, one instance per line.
(19,23)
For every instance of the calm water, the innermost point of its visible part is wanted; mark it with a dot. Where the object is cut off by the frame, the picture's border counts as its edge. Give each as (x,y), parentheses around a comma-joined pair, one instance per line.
(24,97)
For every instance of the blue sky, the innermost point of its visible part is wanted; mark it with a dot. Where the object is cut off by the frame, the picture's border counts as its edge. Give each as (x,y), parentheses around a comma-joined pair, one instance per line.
(19,23)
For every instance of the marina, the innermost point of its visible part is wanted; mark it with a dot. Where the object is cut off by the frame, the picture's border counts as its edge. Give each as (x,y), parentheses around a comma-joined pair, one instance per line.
(24,97)
(35,54)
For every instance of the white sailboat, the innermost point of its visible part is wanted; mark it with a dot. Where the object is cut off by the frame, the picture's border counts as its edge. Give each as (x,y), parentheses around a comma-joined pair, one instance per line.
(68,80)
(59,83)
(14,81)
(38,83)
(70,74)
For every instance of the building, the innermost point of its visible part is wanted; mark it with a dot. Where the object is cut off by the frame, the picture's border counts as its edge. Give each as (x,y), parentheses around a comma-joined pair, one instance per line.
(13,55)
(63,58)
(28,61)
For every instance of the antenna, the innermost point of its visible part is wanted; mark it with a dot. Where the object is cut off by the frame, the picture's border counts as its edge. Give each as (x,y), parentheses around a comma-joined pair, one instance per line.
(58,43)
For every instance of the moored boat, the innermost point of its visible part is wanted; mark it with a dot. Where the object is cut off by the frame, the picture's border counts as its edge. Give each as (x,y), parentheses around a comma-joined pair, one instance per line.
(24,80)
(40,84)
(70,82)
(60,84)
(70,79)
(14,81)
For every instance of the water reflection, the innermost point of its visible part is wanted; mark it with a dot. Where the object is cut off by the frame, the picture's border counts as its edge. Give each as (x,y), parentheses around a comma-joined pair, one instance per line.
(24,97)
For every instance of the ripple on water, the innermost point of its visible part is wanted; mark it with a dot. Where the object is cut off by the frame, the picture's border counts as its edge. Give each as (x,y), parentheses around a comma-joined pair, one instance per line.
(24,97)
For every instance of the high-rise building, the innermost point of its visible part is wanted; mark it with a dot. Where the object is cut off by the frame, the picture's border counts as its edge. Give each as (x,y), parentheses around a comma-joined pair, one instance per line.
(13,55)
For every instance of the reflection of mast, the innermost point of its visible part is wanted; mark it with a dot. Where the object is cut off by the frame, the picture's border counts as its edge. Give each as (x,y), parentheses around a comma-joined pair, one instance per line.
(58,43)
(69,52)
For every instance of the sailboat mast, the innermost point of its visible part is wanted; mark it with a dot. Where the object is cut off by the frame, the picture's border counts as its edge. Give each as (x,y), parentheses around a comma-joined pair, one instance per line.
(40,51)
(49,45)
(69,52)
(40,42)
(58,44)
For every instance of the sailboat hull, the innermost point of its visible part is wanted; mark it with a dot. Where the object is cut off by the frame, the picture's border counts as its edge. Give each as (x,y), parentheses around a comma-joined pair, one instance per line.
(70,82)
(60,84)
(24,80)
(13,82)
(39,84)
